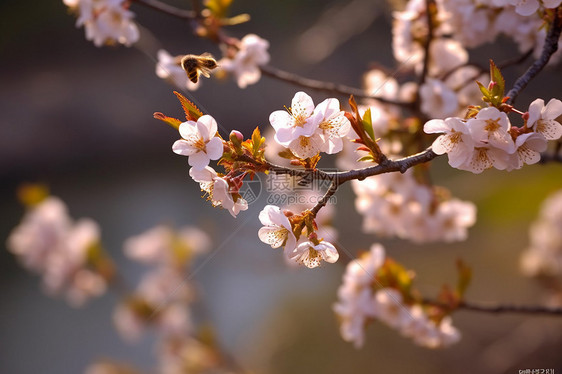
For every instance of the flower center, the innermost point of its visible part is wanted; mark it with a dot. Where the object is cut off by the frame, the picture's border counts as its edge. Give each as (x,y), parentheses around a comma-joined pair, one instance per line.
(492,125)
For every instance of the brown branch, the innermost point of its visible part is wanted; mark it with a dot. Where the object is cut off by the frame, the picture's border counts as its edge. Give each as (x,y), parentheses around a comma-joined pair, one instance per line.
(167,9)
(430,6)
(387,166)
(520,309)
(341,177)
(329,87)
(550,47)
(324,200)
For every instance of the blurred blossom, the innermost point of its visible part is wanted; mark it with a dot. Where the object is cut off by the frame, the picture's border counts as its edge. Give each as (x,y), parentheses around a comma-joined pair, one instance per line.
(164,245)
(67,254)
(187,355)
(245,64)
(168,68)
(360,300)
(396,205)
(105,21)
(438,100)
(163,295)
(109,367)
(543,257)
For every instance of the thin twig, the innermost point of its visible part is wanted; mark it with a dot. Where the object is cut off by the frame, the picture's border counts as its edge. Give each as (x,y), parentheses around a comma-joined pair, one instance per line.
(429,7)
(550,47)
(167,9)
(329,87)
(521,309)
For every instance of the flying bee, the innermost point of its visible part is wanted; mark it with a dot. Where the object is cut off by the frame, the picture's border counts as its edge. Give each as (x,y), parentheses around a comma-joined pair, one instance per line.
(194,65)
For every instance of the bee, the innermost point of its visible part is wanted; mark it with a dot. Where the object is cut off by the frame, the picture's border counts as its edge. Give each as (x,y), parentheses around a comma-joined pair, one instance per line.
(194,65)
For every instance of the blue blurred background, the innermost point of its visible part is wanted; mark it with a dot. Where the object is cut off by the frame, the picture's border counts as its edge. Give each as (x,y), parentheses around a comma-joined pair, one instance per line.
(79,118)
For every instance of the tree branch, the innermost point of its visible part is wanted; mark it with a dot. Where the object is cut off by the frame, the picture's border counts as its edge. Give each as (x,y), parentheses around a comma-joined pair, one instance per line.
(329,87)
(429,8)
(550,47)
(520,309)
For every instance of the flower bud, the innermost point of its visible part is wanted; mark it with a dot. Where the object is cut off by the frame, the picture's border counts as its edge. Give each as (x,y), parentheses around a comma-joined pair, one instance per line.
(236,134)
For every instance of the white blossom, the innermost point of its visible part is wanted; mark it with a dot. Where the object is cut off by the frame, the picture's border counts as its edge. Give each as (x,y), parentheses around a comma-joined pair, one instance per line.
(163,245)
(276,230)
(333,125)
(311,255)
(456,142)
(106,21)
(199,142)
(50,243)
(438,100)
(296,122)
(542,118)
(491,127)
(233,203)
(252,53)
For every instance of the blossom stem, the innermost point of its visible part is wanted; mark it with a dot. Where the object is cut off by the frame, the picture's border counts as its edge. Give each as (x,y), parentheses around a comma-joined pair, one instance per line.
(550,47)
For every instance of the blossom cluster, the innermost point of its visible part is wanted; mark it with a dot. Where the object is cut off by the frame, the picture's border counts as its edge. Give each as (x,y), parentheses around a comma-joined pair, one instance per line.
(105,21)
(201,144)
(543,257)
(66,253)
(278,231)
(397,205)
(363,298)
(465,23)
(488,139)
(307,130)
(162,297)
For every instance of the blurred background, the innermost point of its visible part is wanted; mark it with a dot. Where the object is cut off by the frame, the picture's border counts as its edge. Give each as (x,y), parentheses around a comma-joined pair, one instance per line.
(79,118)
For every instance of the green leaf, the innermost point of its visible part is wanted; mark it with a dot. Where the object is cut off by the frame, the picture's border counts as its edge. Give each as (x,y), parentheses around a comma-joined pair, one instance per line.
(465,276)
(484,90)
(368,123)
(499,81)
(368,158)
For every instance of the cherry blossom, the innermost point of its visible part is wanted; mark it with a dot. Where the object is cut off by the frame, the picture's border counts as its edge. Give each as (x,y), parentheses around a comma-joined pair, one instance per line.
(199,142)
(311,255)
(306,130)
(163,245)
(543,257)
(169,69)
(252,53)
(354,304)
(276,230)
(234,203)
(528,7)
(456,142)
(296,122)
(491,127)
(51,244)
(542,118)
(438,100)
(105,21)
(333,125)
